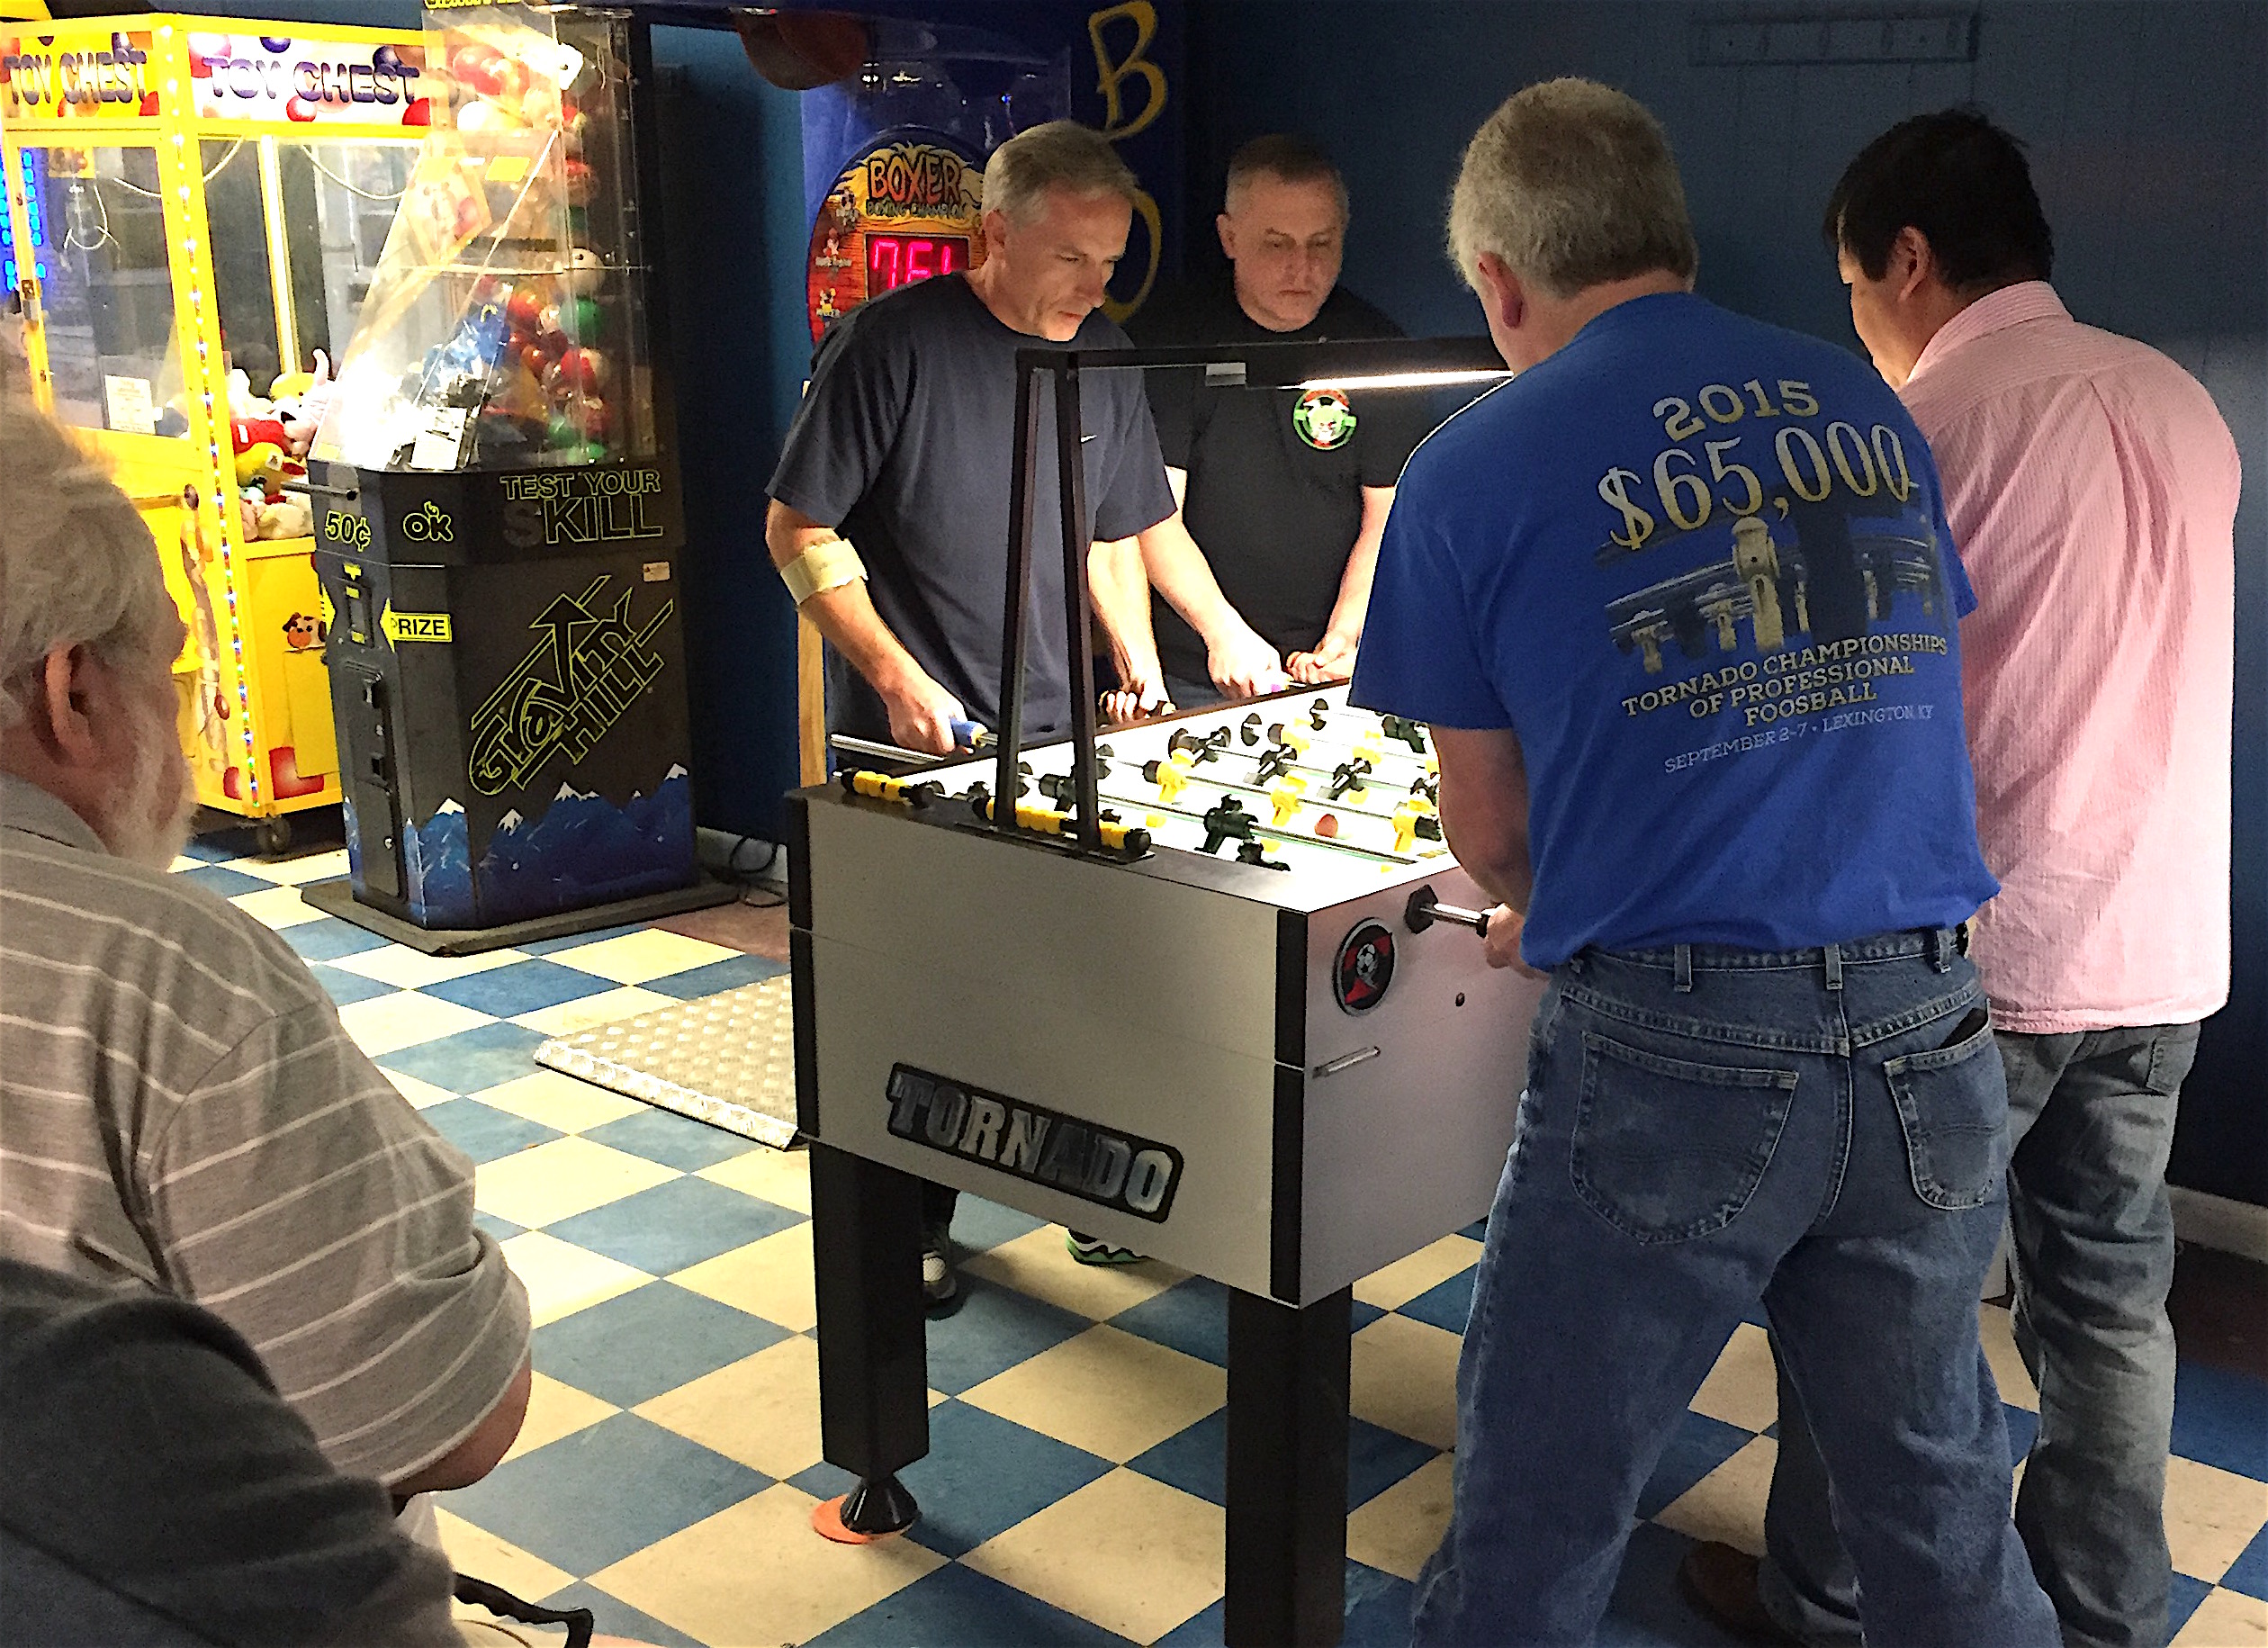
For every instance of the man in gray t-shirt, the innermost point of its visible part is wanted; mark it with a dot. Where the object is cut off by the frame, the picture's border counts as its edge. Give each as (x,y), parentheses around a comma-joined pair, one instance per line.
(181,1111)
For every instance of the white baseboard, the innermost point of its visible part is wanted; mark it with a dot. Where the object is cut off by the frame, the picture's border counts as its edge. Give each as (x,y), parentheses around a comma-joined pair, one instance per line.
(2209,1220)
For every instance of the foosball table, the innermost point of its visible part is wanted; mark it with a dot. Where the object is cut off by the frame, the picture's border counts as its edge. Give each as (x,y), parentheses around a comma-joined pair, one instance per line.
(1246,1038)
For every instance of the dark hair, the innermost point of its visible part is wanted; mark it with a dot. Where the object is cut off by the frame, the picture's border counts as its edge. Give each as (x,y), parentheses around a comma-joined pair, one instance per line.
(1289,157)
(1962,182)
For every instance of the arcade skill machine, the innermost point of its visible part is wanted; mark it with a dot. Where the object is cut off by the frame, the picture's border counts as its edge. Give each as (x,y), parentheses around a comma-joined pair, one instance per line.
(499,518)
(194,210)
(1258,1049)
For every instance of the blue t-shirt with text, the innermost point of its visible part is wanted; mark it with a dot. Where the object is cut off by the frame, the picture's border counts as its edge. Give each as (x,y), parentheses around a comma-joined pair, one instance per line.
(1699,565)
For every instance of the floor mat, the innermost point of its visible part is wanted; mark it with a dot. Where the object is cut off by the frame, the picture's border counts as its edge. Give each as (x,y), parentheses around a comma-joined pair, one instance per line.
(727,1059)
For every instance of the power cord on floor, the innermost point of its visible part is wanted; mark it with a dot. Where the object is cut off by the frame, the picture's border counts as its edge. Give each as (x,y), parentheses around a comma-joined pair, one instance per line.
(754,892)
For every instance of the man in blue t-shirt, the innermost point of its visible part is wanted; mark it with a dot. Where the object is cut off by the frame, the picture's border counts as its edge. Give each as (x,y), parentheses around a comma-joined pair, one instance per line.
(1679,602)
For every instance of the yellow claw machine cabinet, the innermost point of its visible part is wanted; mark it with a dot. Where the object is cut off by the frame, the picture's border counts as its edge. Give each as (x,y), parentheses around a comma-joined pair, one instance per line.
(195,207)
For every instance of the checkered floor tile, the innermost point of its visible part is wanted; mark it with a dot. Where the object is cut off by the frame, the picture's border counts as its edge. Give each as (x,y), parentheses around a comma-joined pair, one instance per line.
(1073,1492)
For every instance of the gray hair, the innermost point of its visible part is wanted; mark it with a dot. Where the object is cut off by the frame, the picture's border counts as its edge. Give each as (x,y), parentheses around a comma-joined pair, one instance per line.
(1571,184)
(1288,158)
(1060,155)
(77,563)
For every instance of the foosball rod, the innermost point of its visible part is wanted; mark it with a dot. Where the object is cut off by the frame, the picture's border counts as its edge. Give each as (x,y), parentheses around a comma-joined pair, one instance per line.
(1324,841)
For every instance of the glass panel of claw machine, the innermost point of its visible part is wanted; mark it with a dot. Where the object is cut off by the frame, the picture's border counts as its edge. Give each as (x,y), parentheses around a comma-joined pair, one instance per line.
(502,327)
(113,356)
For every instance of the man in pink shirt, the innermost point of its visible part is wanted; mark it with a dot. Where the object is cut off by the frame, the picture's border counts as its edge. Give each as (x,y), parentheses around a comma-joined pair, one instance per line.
(2092,486)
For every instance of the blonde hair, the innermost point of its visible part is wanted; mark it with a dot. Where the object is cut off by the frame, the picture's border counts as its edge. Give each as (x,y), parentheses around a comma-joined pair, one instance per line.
(1571,184)
(1060,155)
(77,563)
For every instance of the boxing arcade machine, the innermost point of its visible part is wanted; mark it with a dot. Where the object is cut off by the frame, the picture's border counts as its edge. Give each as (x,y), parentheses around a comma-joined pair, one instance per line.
(1258,1049)
(194,208)
(498,515)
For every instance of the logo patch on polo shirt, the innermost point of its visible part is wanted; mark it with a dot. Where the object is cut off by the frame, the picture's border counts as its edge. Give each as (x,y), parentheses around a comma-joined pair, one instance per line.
(1111,1169)
(1324,419)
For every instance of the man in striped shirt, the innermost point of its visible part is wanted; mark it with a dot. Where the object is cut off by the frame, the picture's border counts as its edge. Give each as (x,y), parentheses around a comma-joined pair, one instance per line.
(180,1110)
(2092,485)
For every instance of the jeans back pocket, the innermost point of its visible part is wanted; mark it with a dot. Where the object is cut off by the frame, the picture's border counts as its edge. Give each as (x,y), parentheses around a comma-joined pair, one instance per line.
(1666,1150)
(1953,1104)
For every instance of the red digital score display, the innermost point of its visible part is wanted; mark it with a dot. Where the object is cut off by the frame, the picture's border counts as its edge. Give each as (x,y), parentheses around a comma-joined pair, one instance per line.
(897,260)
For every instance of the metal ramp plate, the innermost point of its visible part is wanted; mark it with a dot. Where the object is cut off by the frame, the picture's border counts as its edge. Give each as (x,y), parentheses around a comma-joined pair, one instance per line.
(727,1059)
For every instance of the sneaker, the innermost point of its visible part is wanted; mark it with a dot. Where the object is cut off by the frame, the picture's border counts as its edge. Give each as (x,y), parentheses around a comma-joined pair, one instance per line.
(940,1289)
(1094,1250)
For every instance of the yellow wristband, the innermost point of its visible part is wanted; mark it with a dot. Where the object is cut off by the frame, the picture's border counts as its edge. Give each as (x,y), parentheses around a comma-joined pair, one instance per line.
(827,564)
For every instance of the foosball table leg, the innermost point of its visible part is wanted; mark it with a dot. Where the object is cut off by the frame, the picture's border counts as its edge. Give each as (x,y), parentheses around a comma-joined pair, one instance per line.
(866,1231)
(1288,1371)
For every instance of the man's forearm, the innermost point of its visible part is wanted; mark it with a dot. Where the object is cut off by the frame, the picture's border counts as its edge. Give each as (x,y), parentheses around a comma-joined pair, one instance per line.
(1177,570)
(844,614)
(1353,605)
(1120,589)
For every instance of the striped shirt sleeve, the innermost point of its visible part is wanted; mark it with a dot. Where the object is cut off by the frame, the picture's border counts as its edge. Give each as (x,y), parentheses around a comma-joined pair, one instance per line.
(295,1193)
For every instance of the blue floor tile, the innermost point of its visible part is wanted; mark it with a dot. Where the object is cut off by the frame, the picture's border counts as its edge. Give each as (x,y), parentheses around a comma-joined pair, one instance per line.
(1377,1614)
(1191,1317)
(983,1475)
(1194,1460)
(592,1498)
(823,1480)
(995,1329)
(219,845)
(344,988)
(1377,1608)
(654,1339)
(573,941)
(959,1607)
(502,1230)
(673,1140)
(1647,1610)
(1377,1458)
(612,1616)
(1448,1305)
(2220,1417)
(1361,1316)
(484,1132)
(1477,1230)
(2182,1601)
(979,1224)
(675,1224)
(716,977)
(520,987)
(326,939)
(2249,1572)
(2023,1424)
(486,1056)
(1699,1446)
(226,882)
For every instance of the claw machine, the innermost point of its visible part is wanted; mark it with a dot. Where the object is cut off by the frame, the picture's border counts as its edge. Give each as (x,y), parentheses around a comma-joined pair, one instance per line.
(195,209)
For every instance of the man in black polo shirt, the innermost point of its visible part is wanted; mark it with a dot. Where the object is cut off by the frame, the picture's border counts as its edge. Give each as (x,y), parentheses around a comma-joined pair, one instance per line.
(889,513)
(1285,493)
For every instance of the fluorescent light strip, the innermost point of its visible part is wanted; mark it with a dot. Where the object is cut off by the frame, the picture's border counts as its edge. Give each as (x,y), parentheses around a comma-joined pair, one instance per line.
(1406,380)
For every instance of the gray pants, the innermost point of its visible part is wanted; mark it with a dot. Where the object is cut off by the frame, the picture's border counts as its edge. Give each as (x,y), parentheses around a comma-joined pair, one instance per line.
(2091,1123)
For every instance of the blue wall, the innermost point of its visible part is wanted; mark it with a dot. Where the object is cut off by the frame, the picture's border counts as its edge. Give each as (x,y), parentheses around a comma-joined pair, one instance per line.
(2149,144)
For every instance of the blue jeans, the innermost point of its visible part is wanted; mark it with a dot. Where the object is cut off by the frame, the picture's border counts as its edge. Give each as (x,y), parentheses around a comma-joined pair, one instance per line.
(1705,1129)
(2091,1116)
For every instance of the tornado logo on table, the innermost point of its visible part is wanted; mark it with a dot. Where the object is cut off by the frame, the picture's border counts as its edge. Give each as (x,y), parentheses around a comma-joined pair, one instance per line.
(1081,1159)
